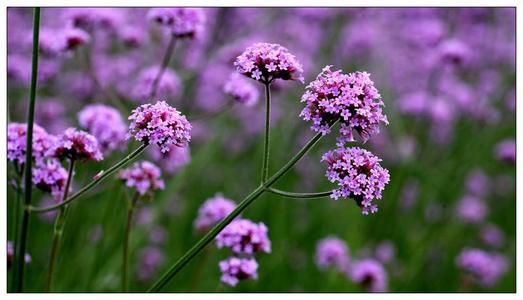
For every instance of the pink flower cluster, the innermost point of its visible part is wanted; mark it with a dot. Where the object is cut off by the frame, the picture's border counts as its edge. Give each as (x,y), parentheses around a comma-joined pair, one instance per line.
(169,85)
(213,211)
(143,176)
(371,274)
(486,267)
(358,175)
(78,145)
(17,140)
(267,62)
(241,90)
(106,124)
(159,124)
(235,269)
(50,177)
(350,98)
(244,236)
(332,252)
(184,22)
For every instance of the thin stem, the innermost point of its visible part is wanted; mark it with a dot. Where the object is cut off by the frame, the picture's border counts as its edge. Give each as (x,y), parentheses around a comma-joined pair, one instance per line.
(16,214)
(165,62)
(92,184)
(299,195)
(59,229)
(266,145)
(127,232)
(20,250)
(207,238)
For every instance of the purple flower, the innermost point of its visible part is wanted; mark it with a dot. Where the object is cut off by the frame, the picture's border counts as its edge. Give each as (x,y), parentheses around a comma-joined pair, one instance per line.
(159,124)
(143,176)
(492,235)
(17,139)
(213,211)
(506,151)
(358,175)
(477,183)
(151,258)
(73,38)
(11,253)
(106,124)
(244,236)
(173,160)
(415,103)
(184,22)
(485,267)
(351,98)
(472,209)
(267,62)
(50,177)
(168,87)
(78,145)
(454,52)
(332,252)
(371,274)
(94,18)
(385,251)
(235,269)
(241,90)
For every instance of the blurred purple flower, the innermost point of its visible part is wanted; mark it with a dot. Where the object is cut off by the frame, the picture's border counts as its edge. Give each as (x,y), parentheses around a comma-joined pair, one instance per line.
(50,177)
(212,211)
(184,22)
(244,236)
(143,176)
(486,267)
(332,252)
(471,209)
(477,183)
(78,145)
(235,269)
(241,90)
(105,124)
(506,151)
(169,86)
(151,258)
(492,235)
(173,160)
(370,274)
(385,252)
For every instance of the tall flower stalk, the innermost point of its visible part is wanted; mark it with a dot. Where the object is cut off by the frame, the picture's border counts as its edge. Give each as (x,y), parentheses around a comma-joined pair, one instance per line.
(267,139)
(18,277)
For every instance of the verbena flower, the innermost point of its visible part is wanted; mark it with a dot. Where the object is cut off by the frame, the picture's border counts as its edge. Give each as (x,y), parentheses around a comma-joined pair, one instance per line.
(159,124)
(235,269)
(471,209)
(143,176)
(172,160)
(105,124)
(78,145)
(241,90)
(385,251)
(506,151)
(350,98)
(151,259)
(371,274)
(213,211)
(358,175)
(267,62)
(332,252)
(50,177)
(492,235)
(477,183)
(168,87)
(244,236)
(486,268)
(184,22)
(17,139)
(73,38)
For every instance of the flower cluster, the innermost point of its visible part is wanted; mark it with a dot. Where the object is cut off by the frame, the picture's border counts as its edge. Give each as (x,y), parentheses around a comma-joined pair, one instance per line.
(143,176)
(159,124)
(213,211)
(350,98)
(485,267)
(168,87)
(506,151)
(267,62)
(472,209)
(105,123)
(54,42)
(17,139)
(241,90)
(358,175)
(371,274)
(50,177)
(172,160)
(77,145)
(332,252)
(235,269)
(244,236)
(184,22)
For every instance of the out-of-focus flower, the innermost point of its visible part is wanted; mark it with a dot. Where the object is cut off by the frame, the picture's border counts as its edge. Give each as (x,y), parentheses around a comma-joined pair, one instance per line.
(17,139)
(350,98)
(158,235)
(409,194)
(370,274)
(244,236)
(50,177)
(11,253)
(73,38)
(184,22)
(151,258)
(485,267)
(132,36)
(144,176)
(506,151)
(106,124)
(267,62)
(235,269)
(213,211)
(241,90)
(358,175)
(173,160)
(385,252)
(332,252)
(472,209)
(414,103)
(108,19)
(454,52)
(159,124)
(492,235)
(477,183)
(168,87)
(51,115)
(78,145)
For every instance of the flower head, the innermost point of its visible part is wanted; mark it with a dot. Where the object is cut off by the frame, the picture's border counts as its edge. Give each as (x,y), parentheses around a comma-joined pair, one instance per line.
(235,269)
(17,139)
(78,145)
(213,211)
(105,123)
(184,22)
(244,236)
(472,209)
(492,235)
(267,62)
(371,274)
(358,174)
(169,85)
(159,124)
(50,177)
(172,160)
(143,176)
(506,151)
(350,98)
(151,258)
(332,252)
(73,38)
(241,90)
(485,267)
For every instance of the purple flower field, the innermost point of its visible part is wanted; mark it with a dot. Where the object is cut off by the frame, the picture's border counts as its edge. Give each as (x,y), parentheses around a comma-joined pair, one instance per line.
(182,149)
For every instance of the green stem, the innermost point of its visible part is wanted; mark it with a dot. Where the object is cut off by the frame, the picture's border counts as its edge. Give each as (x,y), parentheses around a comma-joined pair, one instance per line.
(92,184)
(165,62)
(59,229)
(266,145)
(127,232)
(206,239)
(299,195)
(20,250)
(16,214)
